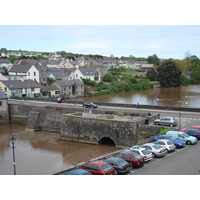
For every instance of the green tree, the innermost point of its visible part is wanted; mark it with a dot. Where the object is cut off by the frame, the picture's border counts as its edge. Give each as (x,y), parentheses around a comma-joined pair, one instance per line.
(153,59)
(108,77)
(152,74)
(169,74)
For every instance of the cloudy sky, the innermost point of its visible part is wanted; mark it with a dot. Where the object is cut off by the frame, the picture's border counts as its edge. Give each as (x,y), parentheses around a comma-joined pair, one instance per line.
(119,40)
(108,27)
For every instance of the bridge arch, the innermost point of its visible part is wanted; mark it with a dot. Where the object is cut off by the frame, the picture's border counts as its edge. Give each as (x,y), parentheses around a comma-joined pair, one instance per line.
(106,141)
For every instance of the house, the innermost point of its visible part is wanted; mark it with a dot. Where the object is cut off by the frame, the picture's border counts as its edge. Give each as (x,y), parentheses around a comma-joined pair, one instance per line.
(4,114)
(55,73)
(49,91)
(93,73)
(5,63)
(20,88)
(70,88)
(70,64)
(27,71)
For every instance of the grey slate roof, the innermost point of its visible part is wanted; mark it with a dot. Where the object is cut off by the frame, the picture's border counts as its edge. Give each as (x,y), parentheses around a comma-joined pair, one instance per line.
(20,68)
(5,61)
(18,84)
(48,88)
(3,95)
(88,71)
(69,82)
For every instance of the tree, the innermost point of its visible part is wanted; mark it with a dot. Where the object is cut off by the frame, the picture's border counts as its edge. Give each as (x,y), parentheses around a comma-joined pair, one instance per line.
(108,77)
(153,59)
(169,74)
(152,74)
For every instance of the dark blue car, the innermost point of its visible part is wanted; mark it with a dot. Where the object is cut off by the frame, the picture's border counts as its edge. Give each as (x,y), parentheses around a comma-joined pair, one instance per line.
(77,172)
(178,143)
(193,132)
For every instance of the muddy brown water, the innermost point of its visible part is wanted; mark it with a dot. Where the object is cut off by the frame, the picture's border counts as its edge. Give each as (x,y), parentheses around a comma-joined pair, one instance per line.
(42,152)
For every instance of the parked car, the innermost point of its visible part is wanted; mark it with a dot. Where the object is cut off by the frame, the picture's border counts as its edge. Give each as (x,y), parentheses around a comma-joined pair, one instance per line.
(90,105)
(146,154)
(157,150)
(178,143)
(166,144)
(77,172)
(98,168)
(196,127)
(182,136)
(119,164)
(131,157)
(192,132)
(166,121)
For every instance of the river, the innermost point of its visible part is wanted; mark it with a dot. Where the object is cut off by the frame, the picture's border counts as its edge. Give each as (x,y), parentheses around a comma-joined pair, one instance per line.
(42,152)
(189,95)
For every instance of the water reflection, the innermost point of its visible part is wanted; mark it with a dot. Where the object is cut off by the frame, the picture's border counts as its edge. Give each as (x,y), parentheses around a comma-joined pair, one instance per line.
(42,152)
(189,95)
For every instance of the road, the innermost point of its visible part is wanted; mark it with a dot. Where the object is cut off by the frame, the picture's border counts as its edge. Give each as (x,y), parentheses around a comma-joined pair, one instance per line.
(187,118)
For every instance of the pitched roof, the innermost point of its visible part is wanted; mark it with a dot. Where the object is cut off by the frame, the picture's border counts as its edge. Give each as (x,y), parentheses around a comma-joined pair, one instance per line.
(18,84)
(2,95)
(48,88)
(5,61)
(20,68)
(88,71)
(69,82)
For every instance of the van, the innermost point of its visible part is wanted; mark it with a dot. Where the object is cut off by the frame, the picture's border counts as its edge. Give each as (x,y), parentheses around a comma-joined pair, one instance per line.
(183,136)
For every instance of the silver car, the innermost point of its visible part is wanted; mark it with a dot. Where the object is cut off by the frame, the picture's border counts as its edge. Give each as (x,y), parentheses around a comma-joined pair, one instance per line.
(166,144)
(145,153)
(156,149)
(166,121)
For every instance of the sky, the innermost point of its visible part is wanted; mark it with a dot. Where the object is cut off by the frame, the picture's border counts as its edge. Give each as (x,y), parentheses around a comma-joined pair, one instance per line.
(119,40)
(140,29)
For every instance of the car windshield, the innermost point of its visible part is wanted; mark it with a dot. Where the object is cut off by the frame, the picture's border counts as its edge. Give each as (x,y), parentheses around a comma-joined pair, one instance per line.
(185,134)
(169,143)
(156,146)
(122,162)
(172,138)
(106,167)
(136,155)
(146,152)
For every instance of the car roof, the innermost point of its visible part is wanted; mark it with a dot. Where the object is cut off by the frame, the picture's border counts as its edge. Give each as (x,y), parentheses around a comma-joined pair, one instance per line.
(97,162)
(165,140)
(113,158)
(151,144)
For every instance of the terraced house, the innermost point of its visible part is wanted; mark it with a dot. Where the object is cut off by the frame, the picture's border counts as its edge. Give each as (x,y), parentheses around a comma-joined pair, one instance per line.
(20,88)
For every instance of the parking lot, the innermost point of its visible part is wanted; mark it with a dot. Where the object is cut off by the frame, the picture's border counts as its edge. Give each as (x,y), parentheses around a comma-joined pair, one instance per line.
(184,161)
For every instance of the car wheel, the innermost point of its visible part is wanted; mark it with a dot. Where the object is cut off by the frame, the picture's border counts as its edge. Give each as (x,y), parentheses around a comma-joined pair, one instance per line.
(188,142)
(156,123)
(171,125)
(153,155)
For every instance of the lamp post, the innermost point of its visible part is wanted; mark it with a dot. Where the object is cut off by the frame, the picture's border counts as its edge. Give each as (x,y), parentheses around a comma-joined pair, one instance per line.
(13,139)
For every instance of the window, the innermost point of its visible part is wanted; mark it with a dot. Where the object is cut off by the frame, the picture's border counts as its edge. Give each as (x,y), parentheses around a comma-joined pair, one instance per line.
(1,103)
(95,168)
(32,89)
(28,73)
(126,157)
(119,156)
(5,89)
(86,166)
(34,73)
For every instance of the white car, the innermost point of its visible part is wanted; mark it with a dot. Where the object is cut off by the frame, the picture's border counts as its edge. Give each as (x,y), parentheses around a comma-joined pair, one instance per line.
(146,154)
(167,144)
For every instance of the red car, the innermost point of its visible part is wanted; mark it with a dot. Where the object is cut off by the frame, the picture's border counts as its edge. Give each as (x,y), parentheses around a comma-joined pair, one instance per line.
(98,168)
(133,158)
(194,127)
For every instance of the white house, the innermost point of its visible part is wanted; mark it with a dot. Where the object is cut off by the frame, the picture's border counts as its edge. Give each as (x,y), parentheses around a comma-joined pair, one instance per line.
(93,73)
(27,71)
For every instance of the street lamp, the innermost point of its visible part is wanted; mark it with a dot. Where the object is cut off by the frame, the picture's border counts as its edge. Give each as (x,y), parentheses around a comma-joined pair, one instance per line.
(13,139)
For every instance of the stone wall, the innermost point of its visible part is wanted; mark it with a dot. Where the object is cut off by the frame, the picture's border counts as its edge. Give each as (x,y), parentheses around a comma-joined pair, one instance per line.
(4,115)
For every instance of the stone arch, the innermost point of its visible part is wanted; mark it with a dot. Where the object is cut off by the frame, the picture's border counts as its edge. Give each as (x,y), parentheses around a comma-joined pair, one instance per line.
(106,141)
